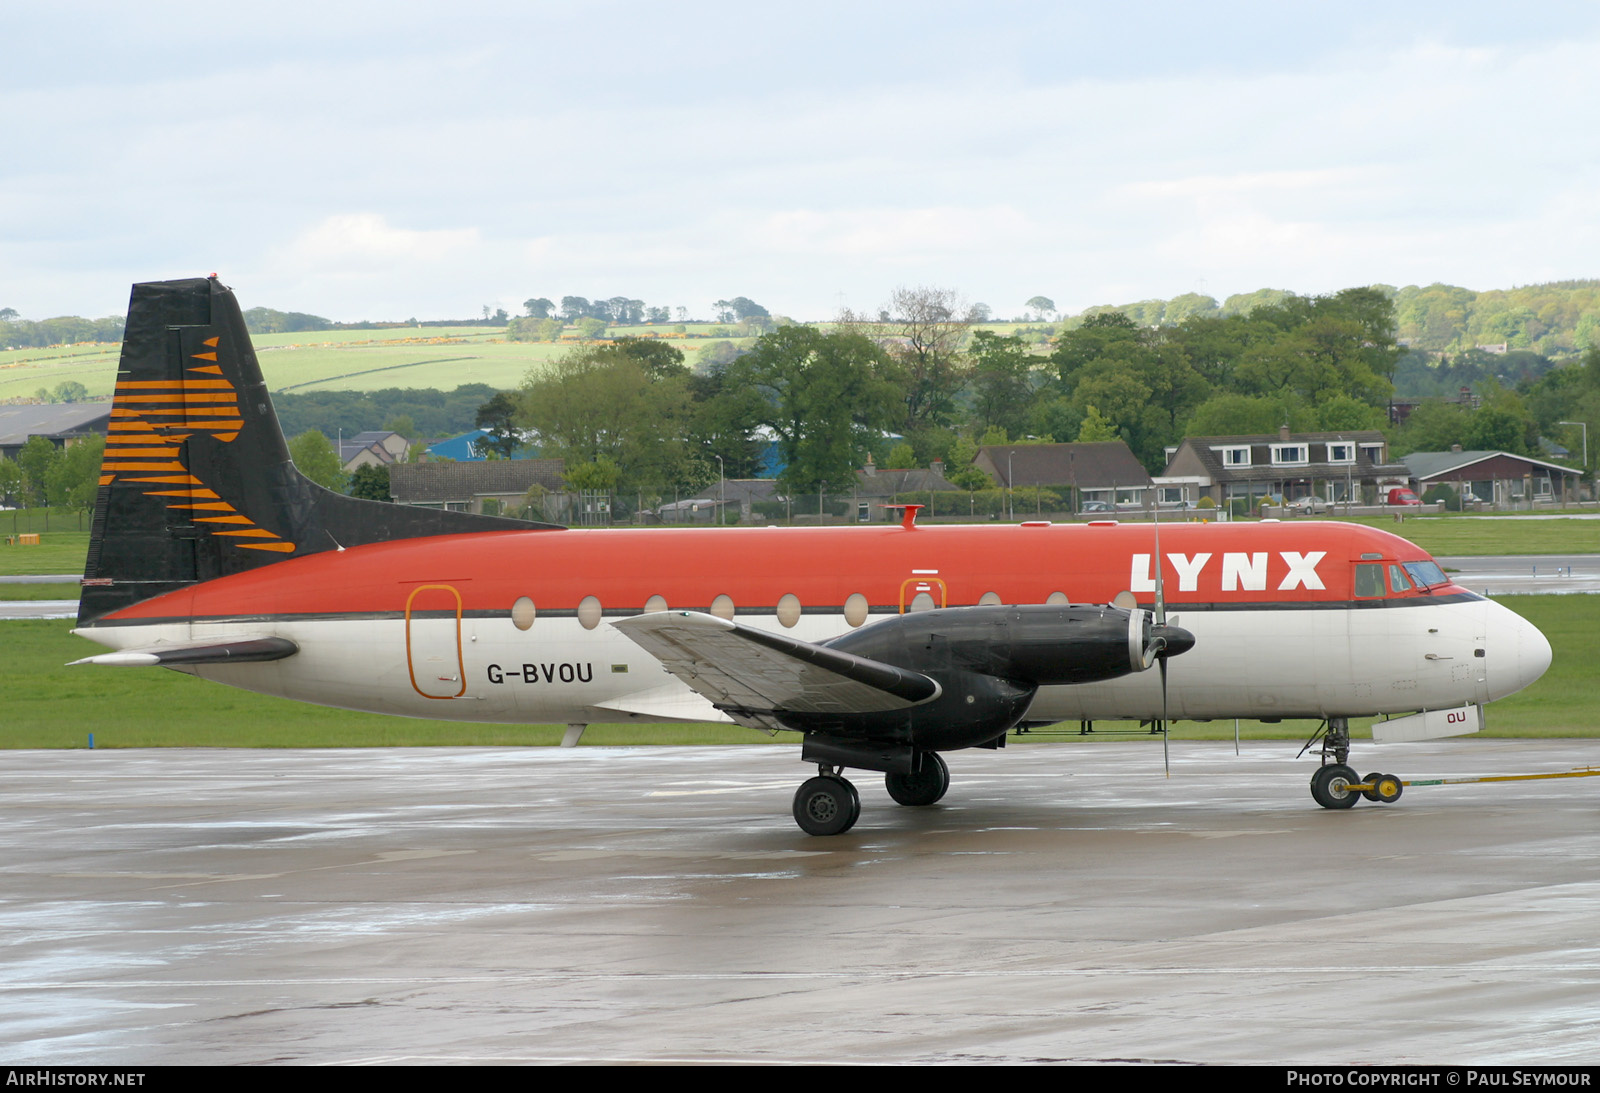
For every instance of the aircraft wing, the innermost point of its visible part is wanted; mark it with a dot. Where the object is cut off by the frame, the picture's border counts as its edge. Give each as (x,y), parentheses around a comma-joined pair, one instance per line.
(752,675)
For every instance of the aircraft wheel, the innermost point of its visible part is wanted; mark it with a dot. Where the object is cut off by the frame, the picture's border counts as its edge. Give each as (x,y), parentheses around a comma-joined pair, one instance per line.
(1385,788)
(826,805)
(923,787)
(1371,780)
(1330,786)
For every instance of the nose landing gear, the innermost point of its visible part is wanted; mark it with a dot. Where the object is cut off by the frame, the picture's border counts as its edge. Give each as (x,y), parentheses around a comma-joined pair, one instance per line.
(1336,784)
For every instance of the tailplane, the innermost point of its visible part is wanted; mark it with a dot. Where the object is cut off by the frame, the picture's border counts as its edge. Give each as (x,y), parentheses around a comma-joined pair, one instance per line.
(197,482)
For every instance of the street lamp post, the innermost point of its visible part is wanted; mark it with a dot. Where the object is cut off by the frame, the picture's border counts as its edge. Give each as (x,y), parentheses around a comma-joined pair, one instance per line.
(722,491)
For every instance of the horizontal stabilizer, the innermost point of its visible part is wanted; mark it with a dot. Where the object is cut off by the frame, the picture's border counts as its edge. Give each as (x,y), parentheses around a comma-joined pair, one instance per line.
(243,651)
(752,674)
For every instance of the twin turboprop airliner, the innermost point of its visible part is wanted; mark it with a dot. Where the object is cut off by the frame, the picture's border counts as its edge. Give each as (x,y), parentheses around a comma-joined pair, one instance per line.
(884,646)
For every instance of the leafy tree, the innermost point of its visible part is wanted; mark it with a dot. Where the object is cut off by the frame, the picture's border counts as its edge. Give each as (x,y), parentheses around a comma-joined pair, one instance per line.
(12,480)
(370,482)
(1041,306)
(1002,383)
(901,457)
(590,328)
(924,330)
(73,480)
(402,424)
(7,314)
(314,457)
(498,416)
(828,399)
(36,459)
(70,391)
(602,475)
(604,402)
(1096,427)
(537,308)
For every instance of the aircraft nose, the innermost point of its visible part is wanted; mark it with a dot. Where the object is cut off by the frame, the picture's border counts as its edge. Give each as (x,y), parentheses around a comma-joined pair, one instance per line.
(1533,653)
(1519,654)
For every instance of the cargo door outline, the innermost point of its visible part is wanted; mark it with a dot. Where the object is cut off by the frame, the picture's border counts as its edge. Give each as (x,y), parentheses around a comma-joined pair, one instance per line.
(433,643)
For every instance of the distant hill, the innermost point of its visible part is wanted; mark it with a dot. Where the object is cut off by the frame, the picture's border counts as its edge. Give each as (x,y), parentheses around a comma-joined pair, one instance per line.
(1560,318)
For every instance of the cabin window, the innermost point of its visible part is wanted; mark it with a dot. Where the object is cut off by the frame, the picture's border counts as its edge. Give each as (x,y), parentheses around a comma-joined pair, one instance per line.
(654,604)
(523,613)
(789,609)
(589,612)
(1057,599)
(722,607)
(989,599)
(855,609)
(1369,581)
(922,601)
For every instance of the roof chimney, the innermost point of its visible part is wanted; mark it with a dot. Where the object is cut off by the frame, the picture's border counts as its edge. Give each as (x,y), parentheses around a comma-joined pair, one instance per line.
(1283,432)
(937,467)
(871,468)
(1455,447)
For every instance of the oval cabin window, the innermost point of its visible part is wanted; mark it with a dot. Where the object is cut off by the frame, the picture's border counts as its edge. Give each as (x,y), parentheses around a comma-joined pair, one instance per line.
(922,601)
(855,609)
(1057,599)
(789,609)
(523,613)
(989,599)
(722,607)
(589,612)
(654,604)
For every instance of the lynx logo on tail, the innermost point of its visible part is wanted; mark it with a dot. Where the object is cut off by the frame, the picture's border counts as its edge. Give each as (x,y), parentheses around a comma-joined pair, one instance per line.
(151,419)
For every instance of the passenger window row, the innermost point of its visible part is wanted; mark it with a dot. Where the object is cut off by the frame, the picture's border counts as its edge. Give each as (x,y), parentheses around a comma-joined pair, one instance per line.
(856,608)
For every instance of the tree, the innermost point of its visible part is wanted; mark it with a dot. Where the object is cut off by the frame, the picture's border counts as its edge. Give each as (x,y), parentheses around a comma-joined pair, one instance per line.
(498,416)
(70,391)
(590,328)
(924,330)
(1002,382)
(36,459)
(537,308)
(1041,306)
(827,398)
(73,481)
(12,480)
(8,314)
(315,458)
(604,402)
(370,482)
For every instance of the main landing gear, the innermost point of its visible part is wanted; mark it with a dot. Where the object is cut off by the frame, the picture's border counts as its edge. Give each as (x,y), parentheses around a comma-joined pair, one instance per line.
(1336,784)
(829,804)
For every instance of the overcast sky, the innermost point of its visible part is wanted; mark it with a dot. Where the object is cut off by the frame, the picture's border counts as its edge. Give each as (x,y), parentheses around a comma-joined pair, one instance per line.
(390,160)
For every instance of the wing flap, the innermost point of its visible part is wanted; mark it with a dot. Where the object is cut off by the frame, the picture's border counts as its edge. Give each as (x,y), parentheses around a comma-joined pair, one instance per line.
(751,674)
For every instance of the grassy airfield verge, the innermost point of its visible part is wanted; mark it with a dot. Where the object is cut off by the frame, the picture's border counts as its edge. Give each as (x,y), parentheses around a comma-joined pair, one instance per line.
(49,705)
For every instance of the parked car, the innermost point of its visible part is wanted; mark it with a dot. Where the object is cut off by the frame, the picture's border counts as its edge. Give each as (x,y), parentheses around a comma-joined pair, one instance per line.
(1096,508)
(1402,496)
(1310,503)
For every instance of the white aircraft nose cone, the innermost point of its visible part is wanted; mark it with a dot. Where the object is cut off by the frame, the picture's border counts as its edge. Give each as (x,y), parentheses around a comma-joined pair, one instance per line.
(1533,653)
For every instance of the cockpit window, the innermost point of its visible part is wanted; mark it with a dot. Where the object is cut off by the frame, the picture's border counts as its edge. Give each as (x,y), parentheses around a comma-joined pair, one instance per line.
(1397,580)
(1426,574)
(1369,580)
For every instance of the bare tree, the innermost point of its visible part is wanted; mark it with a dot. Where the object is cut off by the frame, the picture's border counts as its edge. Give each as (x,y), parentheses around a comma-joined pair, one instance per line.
(926,331)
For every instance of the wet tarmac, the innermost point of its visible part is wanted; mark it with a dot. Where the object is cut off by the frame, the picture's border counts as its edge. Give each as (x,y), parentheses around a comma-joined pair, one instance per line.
(1065,903)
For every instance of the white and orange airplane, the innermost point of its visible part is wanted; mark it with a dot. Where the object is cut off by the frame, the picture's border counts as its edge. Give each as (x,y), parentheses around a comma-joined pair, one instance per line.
(883,645)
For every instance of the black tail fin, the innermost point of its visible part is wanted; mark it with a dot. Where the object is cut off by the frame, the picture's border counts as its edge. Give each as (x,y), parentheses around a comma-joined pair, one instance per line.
(197,481)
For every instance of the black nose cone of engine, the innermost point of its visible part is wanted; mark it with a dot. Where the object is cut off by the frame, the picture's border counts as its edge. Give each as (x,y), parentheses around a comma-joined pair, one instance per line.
(1178,640)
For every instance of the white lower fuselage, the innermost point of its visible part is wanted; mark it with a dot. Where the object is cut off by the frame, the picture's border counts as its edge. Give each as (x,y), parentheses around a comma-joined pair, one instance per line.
(1255,664)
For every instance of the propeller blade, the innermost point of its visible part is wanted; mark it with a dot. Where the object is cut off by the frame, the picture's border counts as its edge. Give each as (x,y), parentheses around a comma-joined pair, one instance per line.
(1166,760)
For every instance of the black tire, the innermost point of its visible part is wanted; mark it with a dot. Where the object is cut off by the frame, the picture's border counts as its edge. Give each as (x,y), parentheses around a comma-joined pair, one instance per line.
(1329,786)
(925,787)
(1371,794)
(826,805)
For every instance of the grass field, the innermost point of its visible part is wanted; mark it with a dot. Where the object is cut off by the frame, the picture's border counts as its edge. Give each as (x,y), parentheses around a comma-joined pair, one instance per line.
(49,705)
(1454,534)
(346,360)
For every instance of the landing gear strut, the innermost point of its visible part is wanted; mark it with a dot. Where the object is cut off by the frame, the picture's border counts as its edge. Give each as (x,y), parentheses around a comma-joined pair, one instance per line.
(827,804)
